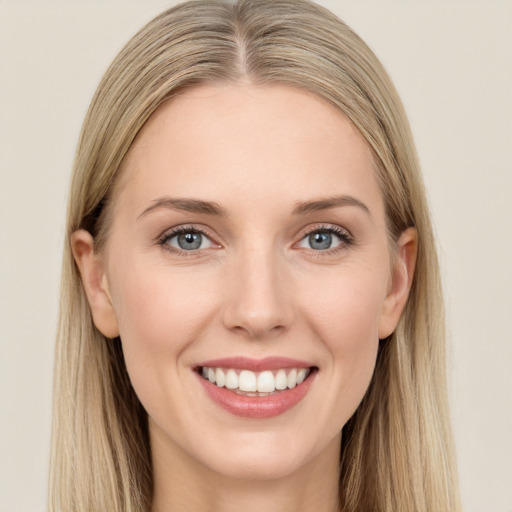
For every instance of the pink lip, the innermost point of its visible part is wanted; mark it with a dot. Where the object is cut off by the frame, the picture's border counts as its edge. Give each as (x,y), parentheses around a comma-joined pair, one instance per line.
(257,406)
(255,365)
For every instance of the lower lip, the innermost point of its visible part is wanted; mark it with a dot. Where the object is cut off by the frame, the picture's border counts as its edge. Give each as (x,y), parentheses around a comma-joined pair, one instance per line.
(257,406)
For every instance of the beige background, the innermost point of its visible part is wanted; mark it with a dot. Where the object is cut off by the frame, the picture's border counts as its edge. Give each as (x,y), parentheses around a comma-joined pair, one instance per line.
(451,61)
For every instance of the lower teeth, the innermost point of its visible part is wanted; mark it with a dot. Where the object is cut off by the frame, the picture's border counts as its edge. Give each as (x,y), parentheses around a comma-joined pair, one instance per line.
(253,393)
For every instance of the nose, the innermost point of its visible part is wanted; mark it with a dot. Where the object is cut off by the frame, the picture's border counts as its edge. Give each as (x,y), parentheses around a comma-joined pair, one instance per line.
(258,300)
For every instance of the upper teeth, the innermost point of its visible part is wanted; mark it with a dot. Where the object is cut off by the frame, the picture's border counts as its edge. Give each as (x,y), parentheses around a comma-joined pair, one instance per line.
(263,382)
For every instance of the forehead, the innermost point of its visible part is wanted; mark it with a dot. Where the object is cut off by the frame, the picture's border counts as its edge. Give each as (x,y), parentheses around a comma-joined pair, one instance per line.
(217,142)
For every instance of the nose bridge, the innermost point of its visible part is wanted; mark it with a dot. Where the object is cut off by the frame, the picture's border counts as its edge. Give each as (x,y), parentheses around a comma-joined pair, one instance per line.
(258,302)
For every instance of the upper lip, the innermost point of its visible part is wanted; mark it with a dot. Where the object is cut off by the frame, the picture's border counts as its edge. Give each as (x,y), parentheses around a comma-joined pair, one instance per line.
(255,365)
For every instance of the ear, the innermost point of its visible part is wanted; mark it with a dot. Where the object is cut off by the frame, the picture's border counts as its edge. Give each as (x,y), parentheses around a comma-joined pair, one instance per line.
(94,280)
(401,281)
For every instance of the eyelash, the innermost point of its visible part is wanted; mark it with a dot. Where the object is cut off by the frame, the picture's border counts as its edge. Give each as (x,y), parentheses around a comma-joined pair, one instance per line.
(346,239)
(168,235)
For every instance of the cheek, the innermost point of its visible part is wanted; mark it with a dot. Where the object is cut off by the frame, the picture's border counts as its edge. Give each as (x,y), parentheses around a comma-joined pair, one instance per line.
(159,315)
(345,317)
(347,309)
(156,307)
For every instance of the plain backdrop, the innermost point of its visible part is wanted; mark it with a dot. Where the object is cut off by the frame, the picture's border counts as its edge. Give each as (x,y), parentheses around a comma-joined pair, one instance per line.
(451,61)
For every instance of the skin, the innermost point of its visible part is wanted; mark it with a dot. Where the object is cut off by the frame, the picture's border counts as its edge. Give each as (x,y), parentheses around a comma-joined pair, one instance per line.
(256,288)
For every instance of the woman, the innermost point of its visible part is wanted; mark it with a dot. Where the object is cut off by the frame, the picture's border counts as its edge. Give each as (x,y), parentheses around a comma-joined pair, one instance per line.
(251,313)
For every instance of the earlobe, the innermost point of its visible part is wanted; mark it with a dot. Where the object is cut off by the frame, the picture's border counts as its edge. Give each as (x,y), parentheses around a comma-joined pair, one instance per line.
(95,283)
(401,281)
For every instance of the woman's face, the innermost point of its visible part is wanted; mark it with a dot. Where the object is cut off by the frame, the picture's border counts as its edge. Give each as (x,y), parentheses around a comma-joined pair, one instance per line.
(248,241)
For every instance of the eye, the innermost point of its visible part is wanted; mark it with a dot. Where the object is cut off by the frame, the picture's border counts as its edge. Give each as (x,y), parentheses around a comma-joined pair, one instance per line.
(325,239)
(186,239)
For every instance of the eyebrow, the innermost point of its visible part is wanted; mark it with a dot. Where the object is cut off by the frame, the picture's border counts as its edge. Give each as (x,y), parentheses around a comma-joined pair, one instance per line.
(188,205)
(317,205)
(212,208)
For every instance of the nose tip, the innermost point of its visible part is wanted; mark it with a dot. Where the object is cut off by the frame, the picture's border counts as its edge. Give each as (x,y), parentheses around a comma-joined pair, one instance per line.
(256,327)
(258,304)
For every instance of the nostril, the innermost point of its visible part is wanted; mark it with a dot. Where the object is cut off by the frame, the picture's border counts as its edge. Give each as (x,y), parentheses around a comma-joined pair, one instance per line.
(256,310)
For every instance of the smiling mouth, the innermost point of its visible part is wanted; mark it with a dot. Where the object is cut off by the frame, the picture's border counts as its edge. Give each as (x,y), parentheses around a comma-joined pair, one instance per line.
(255,384)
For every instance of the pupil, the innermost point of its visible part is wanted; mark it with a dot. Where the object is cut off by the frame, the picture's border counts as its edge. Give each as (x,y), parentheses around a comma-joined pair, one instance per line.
(320,241)
(188,241)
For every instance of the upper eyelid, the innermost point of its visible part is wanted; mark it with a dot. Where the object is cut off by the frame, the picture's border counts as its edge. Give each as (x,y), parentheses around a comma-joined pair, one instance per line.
(176,230)
(325,227)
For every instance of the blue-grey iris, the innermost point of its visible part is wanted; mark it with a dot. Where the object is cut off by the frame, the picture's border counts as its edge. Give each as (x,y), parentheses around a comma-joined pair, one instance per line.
(320,240)
(189,241)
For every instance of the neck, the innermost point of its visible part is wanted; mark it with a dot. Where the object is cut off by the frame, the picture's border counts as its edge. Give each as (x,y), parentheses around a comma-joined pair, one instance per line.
(182,484)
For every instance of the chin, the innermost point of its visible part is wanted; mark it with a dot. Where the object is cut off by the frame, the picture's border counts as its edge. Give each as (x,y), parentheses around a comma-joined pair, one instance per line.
(260,468)
(268,456)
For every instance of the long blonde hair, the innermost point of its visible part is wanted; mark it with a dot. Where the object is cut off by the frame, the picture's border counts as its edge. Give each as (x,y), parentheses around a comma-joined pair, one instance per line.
(397,452)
